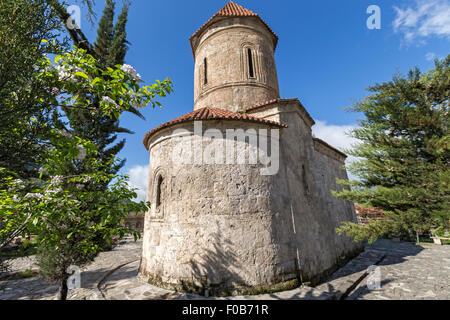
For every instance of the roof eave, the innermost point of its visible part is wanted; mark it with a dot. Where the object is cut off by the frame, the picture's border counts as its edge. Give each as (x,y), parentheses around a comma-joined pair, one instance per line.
(213,19)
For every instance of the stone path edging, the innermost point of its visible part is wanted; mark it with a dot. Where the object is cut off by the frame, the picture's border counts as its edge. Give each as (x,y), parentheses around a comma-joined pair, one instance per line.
(345,280)
(108,274)
(351,288)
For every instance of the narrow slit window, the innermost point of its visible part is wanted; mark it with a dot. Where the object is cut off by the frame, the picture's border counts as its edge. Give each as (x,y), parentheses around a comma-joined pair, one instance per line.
(158,191)
(305,181)
(251,72)
(205,70)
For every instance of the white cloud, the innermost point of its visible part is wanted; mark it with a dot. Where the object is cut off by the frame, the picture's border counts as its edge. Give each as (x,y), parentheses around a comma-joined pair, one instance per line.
(139,180)
(338,137)
(335,135)
(430,56)
(427,18)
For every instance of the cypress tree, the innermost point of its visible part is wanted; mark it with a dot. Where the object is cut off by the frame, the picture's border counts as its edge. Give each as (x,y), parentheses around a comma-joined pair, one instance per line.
(105,32)
(119,43)
(403,156)
(111,47)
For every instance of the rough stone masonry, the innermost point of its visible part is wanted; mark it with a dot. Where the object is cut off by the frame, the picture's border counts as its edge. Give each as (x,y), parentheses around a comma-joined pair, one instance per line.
(217,223)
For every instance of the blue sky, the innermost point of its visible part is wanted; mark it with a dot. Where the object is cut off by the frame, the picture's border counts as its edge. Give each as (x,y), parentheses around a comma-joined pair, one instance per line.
(326,55)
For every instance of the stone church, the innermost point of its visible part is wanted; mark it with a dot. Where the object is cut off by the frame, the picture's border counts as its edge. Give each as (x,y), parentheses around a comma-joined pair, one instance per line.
(237,225)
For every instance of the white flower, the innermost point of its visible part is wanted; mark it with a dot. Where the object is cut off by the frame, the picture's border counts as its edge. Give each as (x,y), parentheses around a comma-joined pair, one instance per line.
(56,180)
(110,101)
(34,195)
(138,77)
(57,190)
(64,73)
(80,186)
(130,70)
(15,97)
(81,153)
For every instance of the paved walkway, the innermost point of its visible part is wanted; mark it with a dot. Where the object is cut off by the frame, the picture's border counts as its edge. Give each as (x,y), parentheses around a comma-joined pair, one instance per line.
(405,271)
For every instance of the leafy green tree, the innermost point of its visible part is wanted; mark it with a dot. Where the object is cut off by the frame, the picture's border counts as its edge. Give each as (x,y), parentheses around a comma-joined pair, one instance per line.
(403,155)
(110,50)
(67,210)
(23,97)
(32,91)
(23,24)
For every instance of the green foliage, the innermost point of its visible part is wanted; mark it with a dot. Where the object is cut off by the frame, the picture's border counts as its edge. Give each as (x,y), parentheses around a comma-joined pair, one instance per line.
(70,211)
(119,45)
(111,48)
(23,97)
(403,155)
(105,33)
(79,77)
(45,188)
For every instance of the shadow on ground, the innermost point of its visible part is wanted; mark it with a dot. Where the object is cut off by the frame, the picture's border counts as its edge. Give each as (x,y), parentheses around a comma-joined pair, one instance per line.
(391,252)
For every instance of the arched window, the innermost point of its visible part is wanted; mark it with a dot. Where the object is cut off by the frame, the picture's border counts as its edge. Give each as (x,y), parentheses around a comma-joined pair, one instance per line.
(251,70)
(159,187)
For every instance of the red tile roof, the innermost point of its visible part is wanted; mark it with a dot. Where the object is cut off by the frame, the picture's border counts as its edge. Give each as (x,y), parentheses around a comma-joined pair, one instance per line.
(368,211)
(232,9)
(364,214)
(210,113)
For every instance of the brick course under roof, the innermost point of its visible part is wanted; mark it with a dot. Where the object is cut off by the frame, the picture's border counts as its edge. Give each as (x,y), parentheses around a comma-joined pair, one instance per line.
(232,9)
(210,113)
(279,100)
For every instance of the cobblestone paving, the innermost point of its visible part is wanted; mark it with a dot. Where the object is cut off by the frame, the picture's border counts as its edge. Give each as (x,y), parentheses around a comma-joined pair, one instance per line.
(37,288)
(406,271)
(409,272)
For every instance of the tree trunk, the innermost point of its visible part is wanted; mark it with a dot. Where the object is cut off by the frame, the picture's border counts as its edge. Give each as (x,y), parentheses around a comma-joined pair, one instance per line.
(63,289)
(417,237)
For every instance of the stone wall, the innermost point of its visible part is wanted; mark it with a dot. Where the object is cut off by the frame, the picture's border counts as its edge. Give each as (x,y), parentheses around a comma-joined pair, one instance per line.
(135,222)
(214,222)
(225,47)
(228,227)
(306,214)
